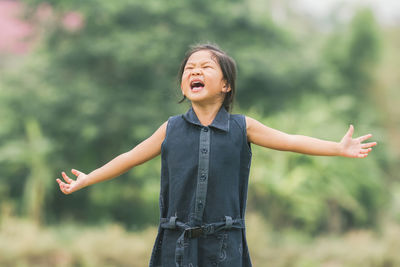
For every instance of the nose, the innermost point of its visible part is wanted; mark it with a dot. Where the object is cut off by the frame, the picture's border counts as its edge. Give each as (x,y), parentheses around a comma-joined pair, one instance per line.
(196,71)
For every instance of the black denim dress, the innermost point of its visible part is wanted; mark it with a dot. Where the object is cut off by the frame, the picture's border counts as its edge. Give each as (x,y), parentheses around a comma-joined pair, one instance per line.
(204,181)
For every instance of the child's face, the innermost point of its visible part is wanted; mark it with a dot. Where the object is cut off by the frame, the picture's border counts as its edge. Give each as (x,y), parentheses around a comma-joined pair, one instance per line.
(202,79)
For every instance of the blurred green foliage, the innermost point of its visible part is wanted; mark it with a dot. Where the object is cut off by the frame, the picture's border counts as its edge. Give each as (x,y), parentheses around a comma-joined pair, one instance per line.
(86,96)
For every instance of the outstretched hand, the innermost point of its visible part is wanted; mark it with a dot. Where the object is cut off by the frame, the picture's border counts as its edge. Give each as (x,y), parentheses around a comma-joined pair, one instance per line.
(71,185)
(353,147)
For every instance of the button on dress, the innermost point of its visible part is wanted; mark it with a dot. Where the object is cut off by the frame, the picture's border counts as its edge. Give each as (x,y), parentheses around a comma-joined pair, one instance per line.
(204,181)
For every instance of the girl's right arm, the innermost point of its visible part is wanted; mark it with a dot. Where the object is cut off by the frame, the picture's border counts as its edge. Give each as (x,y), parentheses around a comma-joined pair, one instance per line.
(146,150)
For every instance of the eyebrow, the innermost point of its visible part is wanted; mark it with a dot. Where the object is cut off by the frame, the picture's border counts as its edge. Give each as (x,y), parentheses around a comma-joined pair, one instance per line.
(201,62)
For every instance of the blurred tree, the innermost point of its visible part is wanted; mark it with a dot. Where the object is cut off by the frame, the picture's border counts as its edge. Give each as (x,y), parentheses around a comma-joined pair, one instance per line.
(315,194)
(356,58)
(88,88)
(39,182)
(307,192)
(98,90)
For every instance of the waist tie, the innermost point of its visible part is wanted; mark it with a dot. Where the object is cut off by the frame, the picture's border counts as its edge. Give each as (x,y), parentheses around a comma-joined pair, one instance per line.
(190,232)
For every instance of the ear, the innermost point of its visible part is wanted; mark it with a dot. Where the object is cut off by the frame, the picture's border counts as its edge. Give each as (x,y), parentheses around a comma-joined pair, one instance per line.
(226,88)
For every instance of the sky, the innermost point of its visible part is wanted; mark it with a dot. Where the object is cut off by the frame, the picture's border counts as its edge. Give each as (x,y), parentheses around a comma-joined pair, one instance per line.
(386,11)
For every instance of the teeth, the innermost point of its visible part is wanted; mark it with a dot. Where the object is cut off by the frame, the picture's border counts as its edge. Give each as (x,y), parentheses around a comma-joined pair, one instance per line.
(197,84)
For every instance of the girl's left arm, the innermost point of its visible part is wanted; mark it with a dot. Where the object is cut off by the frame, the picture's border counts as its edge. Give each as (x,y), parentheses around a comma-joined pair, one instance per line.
(261,135)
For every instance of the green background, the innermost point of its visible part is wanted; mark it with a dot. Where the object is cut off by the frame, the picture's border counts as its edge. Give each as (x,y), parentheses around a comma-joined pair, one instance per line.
(81,97)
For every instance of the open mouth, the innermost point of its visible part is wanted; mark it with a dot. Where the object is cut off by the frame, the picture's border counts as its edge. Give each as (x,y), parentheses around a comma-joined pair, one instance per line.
(196,85)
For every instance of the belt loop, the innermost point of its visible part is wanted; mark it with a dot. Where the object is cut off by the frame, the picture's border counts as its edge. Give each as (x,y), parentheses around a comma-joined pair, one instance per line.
(228,222)
(172,222)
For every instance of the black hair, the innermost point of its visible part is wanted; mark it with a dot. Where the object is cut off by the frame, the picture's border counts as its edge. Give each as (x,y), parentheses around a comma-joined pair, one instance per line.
(226,63)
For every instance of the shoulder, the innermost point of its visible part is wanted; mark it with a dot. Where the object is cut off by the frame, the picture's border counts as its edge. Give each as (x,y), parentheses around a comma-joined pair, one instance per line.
(163,129)
(244,121)
(254,127)
(174,120)
(251,123)
(239,120)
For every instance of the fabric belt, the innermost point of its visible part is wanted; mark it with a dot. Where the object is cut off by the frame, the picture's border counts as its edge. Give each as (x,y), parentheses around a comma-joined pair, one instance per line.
(191,232)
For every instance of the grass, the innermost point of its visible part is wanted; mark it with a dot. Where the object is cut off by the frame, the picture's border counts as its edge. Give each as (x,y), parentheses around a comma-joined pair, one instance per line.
(23,243)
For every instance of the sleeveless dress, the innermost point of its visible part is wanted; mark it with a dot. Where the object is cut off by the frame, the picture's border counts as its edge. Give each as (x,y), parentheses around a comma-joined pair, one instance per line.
(204,181)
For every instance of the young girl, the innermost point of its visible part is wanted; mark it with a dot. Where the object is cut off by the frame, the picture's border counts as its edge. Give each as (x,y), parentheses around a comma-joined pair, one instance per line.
(206,159)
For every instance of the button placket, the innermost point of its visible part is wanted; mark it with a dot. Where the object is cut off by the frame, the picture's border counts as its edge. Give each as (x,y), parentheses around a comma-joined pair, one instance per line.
(202,176)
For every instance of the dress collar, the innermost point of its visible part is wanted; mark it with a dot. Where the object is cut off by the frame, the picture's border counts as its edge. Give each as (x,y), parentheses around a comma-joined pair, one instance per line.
(221,121)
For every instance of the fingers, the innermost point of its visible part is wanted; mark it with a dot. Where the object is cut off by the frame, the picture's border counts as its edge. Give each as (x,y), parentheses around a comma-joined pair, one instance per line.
(364,137)
(75,172)
(368,145)
(69,185)
(365,151)
(66,178)
(361,156)
(65,188)
(350,131)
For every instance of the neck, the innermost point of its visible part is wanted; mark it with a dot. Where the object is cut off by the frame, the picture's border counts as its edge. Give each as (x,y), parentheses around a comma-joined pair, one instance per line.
(207,113)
